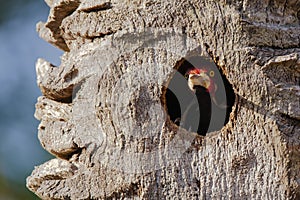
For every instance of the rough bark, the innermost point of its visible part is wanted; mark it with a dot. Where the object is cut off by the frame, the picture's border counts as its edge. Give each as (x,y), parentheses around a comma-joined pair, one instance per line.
(102,110)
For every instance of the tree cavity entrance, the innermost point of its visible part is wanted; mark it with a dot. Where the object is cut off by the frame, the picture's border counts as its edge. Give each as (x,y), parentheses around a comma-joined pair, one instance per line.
(205,109)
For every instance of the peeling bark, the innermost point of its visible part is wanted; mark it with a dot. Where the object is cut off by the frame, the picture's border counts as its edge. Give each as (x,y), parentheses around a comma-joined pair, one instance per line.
(103,112)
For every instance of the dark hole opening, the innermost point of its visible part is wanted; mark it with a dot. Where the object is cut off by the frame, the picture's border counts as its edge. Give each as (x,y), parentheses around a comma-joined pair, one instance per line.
(202,110)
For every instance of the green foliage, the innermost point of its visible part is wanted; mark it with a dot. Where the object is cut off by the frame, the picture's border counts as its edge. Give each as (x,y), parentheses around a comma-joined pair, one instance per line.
(11,190)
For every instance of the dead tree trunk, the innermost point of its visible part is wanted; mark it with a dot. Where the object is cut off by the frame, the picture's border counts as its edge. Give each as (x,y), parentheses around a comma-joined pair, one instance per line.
(104,112)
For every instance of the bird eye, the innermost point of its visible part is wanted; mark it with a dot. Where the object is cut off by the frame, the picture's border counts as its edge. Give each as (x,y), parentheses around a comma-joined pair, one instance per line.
(211,73)
(186,76)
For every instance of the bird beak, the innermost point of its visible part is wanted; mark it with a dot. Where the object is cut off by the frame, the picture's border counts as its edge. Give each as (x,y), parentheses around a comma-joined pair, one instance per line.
(201,79)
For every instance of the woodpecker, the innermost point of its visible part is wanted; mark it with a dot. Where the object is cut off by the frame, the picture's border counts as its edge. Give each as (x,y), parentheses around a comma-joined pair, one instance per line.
(199,97)
(197,115)
(200,78)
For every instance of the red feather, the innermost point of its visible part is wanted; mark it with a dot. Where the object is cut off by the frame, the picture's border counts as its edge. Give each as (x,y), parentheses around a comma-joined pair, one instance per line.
(197,71)
(211,89)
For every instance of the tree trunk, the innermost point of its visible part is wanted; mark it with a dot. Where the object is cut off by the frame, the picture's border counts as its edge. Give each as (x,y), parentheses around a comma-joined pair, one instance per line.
(104,115)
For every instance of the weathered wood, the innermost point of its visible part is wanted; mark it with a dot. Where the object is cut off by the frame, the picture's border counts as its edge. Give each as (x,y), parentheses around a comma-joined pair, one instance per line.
(103,110)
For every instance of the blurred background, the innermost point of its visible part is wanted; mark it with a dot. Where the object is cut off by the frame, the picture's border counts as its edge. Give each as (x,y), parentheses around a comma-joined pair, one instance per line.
(20,47)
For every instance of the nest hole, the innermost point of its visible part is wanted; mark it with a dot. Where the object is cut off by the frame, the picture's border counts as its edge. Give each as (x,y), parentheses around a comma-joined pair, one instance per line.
(190,110)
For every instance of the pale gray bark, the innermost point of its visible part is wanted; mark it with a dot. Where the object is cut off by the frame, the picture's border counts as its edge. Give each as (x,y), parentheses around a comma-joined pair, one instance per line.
(102,111)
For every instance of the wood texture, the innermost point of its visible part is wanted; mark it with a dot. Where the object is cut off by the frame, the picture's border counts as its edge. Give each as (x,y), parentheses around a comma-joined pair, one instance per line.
(102,110)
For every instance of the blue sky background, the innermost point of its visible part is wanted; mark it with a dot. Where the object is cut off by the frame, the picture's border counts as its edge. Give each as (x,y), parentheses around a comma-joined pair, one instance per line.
(20,47)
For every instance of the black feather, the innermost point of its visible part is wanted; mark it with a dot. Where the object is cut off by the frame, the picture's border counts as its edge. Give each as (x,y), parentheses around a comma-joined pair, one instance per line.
(197,116)
(199,112)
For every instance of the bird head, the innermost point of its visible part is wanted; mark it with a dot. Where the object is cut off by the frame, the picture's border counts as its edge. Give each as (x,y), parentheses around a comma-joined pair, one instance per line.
(201,77)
